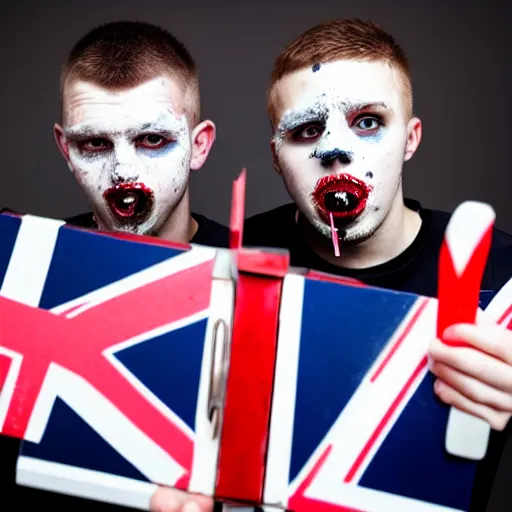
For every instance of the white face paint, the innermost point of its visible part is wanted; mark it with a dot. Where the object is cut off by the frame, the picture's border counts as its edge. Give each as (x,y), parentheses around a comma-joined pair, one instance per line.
(346,118)
(132,137)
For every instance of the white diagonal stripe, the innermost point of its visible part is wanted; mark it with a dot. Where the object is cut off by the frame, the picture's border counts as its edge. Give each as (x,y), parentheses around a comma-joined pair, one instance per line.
(30,260)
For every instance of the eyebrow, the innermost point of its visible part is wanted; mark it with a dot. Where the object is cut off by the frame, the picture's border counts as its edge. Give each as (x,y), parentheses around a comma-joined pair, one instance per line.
(368,106)
(295,118)
(85,132)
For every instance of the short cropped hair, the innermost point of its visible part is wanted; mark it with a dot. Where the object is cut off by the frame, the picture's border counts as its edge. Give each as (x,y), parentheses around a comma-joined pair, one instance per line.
(346,39)
(123,54)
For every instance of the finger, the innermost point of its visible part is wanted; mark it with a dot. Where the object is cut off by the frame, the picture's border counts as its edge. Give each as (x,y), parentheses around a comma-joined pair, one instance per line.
(497,419)
(166,499)
(474,363)
(472,388)
(193,506)
(198,504)
(492,339)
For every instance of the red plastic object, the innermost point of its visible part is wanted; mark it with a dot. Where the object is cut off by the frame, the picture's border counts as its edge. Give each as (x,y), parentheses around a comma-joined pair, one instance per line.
(249,390)
(237,211)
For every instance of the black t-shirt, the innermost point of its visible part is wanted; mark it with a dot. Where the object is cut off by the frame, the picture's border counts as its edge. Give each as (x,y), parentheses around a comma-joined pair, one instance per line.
(415,270)
(209,232)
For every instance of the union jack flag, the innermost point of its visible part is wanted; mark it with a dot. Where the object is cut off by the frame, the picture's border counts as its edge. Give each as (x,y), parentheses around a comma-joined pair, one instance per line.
(356,425)
(104,360)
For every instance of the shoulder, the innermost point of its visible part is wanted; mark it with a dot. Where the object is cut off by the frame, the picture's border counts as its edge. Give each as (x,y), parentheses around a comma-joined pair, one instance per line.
(270,228)
(436,220)
(210,232)
(8,211)
(84,220)
(499,264)
(282,214)
(500,259)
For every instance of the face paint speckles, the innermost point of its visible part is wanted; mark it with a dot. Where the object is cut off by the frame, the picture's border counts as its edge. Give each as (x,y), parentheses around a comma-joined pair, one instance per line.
(330,112)
(316,112)
(137,141)
(315,67)
(346,121)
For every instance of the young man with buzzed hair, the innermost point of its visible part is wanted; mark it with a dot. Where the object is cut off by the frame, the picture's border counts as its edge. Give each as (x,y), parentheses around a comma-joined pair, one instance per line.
(131,132)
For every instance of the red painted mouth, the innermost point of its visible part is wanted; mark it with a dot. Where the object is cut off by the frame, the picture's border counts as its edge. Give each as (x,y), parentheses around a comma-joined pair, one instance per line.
(130,201)
(341,195)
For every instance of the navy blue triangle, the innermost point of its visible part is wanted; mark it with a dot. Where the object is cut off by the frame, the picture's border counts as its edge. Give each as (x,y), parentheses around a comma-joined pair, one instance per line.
(170,366)
(69,440)
(343,330)
(83,262)
(9,227)
(413,462)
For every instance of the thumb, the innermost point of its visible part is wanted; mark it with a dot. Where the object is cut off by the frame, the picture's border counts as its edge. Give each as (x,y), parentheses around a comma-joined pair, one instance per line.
(166,499)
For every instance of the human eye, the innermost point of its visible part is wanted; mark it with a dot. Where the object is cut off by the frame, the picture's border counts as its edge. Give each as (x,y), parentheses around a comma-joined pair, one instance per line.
(94,145)
(368,124)
(152,141)
(308,131)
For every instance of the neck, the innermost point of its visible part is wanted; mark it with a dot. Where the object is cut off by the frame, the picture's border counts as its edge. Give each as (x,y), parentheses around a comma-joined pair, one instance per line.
(180,226)
(395,234)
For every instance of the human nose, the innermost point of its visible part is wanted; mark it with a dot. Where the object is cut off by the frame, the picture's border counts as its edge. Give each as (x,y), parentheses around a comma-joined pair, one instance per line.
(328,157)
(125,166)
(335,145)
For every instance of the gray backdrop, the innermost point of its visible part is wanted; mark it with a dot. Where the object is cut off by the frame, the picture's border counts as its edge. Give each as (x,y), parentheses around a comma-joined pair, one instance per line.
(459,52)
(460,56)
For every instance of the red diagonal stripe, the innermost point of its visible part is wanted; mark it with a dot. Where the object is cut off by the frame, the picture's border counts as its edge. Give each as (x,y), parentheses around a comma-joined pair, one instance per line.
(148,307)
(299,502)
(93,367)
(77,343)
(114,387)
(412,322)
(505,315)
(5,364)
(385,420)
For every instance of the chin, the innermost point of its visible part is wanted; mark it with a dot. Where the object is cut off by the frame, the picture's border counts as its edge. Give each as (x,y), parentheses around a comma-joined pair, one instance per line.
(133,230)
(353,233)
(356,235)
(148,227)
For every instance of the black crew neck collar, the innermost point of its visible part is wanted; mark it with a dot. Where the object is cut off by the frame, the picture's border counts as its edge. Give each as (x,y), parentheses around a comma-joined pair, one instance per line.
(405,257)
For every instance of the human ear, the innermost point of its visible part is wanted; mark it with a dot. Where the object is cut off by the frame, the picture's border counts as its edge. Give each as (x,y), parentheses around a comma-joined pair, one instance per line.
(203,137)
(414,132)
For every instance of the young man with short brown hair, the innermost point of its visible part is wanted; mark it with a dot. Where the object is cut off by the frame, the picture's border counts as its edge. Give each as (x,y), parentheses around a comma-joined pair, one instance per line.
(340,104)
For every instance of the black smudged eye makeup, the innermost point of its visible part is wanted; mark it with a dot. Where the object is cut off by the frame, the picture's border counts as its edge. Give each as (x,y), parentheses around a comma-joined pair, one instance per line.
(308,131)
(303,125)
(151,141)
(94,145)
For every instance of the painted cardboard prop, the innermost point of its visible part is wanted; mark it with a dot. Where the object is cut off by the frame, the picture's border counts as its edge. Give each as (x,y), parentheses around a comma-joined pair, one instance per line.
(127,362)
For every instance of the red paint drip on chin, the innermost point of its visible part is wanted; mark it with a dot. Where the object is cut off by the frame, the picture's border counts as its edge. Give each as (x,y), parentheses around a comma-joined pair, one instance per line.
(341,196)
